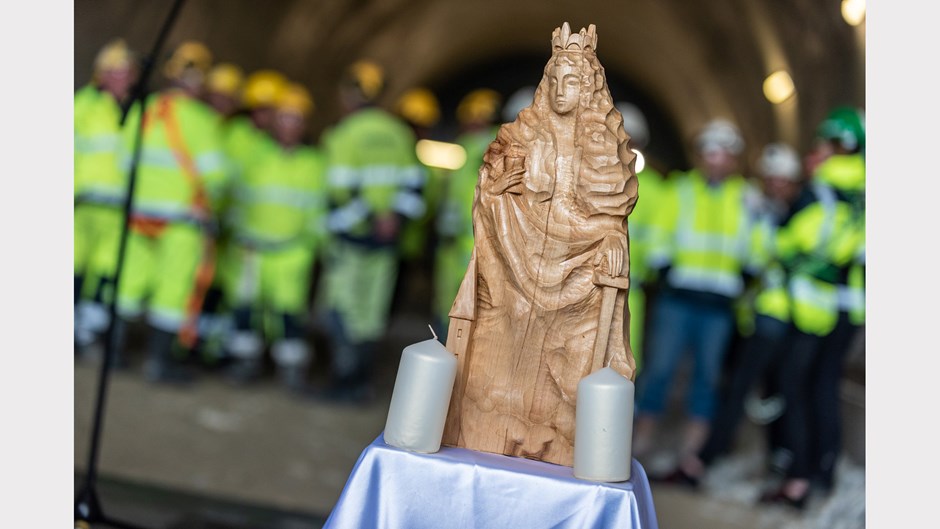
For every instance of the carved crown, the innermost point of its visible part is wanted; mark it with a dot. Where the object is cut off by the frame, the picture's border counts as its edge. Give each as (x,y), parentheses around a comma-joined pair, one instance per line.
(563,39)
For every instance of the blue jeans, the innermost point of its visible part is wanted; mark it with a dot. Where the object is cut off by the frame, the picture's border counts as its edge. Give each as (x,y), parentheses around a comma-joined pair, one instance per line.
(680,323)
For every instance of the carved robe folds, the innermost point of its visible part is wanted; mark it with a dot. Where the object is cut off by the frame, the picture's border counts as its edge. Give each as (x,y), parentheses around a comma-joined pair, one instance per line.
(550,230)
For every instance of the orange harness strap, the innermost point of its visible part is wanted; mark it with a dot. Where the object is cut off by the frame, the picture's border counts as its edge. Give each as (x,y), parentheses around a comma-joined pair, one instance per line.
(147,227)
(205,271)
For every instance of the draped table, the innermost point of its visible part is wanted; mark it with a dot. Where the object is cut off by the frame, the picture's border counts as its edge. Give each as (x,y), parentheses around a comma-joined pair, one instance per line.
(459,488)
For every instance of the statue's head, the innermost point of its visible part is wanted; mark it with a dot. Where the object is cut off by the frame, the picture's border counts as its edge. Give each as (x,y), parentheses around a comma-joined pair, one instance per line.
(573,80)
(564,83)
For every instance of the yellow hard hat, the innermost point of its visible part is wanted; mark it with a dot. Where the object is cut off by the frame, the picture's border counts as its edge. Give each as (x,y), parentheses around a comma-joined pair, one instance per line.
(419,106)
(294,98)
(263,88)
(188,55)
(112,56)
(480,105)
(226,78)
(368,77)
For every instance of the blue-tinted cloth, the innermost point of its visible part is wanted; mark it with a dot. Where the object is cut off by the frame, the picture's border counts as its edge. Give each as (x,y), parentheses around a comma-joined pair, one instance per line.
(459,488)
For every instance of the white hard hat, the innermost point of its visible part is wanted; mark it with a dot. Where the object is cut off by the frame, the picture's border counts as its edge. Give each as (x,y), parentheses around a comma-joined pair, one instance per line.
(517,101)
(634,122)
(779,160)
(720,134)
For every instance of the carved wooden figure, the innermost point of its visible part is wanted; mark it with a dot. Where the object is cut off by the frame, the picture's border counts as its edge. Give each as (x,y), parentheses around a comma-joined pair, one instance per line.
(542,304)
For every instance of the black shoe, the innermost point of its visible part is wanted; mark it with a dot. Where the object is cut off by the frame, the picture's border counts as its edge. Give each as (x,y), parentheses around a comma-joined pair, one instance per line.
(777,496)
(677,477)
(294,379)
(162,371)
(824,485)
(94,353)
(243,372)
(336,393)
(160,366)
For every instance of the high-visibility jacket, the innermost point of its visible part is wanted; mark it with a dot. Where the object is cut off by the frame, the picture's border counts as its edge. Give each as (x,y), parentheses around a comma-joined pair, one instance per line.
(454,221)
(640,223)
(846,174)
(244,143)
(816,246)
(705,235)
(772,298)
(280,200)
(276,224)
(165,189)
(414,237)
(372,169)
(455,218)
(640,229)
(99,178)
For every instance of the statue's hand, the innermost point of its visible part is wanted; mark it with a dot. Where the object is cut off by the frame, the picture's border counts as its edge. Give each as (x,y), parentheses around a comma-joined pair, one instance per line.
(510,179)
(611,255)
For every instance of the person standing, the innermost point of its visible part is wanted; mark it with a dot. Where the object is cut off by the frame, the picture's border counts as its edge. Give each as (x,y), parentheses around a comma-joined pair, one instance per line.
(477,113)
(277,226)
(782,184)
(248,135)
(224,86)
(818,248)
(374,184)
(100,190)
(640,226)
(702,255)
(181,178)
(420,109)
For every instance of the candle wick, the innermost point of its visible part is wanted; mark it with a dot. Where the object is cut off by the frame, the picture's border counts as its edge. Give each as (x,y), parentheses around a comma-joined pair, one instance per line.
(432,331)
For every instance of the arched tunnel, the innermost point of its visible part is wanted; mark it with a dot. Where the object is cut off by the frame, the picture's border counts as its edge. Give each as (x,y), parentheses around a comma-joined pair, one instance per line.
(682,63)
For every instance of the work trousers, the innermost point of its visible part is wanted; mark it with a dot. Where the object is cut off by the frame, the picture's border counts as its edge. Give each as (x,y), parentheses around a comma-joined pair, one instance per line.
(160,271)
(758,353)
(810,378)
(358,284)
(681,323)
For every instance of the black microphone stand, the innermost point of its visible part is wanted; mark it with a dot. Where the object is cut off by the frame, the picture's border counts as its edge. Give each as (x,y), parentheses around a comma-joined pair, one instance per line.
(87,507)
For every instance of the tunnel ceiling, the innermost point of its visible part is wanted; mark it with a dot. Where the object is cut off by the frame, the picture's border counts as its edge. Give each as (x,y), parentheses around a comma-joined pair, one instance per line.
(691,60)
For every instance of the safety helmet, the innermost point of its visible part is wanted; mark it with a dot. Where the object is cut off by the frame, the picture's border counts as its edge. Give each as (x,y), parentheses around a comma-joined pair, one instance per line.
(368,77)
(112,56)
(479,106)
(419,106)
(226,78)
(779,160)
(720,134)
(634,123)
(519,100)
(263,88)
(294,98)
(846,125)
(190,56)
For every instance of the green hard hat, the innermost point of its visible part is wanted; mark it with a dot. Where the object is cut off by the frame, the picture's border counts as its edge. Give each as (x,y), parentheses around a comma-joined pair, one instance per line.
(845,124)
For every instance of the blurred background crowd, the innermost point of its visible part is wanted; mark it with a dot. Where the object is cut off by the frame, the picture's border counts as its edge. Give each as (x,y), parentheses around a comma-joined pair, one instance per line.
(260,246)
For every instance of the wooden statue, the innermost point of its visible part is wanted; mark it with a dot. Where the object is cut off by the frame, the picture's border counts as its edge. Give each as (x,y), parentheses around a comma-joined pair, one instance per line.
(542,304)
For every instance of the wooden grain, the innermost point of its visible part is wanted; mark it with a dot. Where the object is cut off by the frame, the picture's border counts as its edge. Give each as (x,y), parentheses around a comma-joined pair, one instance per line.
(550,226)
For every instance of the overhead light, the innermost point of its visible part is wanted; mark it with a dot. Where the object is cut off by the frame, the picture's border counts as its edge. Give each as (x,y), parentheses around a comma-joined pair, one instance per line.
(441,154)
(853,11)
(778,87)
(640,161)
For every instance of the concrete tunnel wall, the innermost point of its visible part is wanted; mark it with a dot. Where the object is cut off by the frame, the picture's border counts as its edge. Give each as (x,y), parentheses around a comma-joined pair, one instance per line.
(691,60)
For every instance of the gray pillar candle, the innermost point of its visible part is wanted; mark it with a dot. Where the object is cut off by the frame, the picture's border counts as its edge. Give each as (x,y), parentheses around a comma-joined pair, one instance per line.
(421,397)
(603,427)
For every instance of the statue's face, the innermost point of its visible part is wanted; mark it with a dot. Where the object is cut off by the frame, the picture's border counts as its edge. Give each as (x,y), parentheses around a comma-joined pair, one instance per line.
(564,88)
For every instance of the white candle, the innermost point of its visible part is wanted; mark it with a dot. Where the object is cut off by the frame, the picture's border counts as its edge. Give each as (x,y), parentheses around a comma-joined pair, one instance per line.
(421,397)
(603,427)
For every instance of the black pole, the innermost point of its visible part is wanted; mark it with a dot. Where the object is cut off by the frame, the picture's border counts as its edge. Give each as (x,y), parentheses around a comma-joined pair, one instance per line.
(87,508)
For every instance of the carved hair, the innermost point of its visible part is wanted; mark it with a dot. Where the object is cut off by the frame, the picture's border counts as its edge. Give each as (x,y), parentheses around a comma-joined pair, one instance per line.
(598,129)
